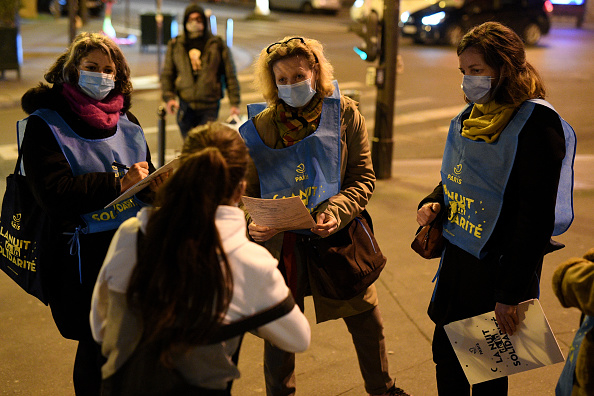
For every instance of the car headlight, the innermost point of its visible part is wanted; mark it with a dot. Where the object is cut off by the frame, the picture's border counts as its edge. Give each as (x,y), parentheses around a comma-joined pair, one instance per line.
(404,16)
(433,19)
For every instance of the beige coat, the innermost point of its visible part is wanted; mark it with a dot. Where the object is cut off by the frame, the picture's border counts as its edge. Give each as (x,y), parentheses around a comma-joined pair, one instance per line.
(573,284)
(357,184)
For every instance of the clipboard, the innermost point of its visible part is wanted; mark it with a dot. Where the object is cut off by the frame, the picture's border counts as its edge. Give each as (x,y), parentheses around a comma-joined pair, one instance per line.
(171,165)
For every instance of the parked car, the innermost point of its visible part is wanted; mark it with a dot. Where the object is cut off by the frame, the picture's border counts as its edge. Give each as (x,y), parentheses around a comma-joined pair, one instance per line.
(60,7)
(448,21)
(307,6)
(361,9)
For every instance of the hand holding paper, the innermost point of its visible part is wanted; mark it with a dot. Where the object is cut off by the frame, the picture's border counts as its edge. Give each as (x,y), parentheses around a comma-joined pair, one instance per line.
(282,214)
(485,352)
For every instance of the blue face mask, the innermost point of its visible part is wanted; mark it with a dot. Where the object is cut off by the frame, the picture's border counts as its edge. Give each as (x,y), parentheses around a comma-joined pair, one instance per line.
(477,88)
(298,94)
(96,85)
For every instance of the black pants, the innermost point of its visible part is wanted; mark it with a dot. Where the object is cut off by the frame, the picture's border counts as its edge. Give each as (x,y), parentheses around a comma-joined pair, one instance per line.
(87,367)
(451,380)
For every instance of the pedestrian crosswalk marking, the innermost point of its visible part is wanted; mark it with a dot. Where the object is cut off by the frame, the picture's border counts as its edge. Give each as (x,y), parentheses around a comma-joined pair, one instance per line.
(417,117)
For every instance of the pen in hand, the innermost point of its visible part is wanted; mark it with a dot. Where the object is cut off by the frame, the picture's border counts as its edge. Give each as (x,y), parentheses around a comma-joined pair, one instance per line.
(120,166)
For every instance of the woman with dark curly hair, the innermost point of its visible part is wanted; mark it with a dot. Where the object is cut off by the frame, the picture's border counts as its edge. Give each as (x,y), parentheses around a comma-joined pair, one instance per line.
(81,149)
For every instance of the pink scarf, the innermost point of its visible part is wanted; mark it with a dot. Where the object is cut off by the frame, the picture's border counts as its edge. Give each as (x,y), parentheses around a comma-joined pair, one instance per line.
(103,114)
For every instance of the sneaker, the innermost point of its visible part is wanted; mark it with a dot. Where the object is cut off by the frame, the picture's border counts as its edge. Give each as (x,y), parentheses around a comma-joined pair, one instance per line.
(394,391)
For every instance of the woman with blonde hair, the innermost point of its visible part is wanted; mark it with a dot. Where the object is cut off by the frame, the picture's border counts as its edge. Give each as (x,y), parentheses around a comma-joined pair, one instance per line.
(311,141)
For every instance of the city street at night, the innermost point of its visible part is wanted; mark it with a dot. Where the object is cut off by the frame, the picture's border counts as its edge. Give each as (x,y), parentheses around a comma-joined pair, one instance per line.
(35,360)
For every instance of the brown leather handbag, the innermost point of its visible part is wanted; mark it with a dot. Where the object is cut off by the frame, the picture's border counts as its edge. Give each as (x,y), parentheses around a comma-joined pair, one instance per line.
(429,241)
(347,262)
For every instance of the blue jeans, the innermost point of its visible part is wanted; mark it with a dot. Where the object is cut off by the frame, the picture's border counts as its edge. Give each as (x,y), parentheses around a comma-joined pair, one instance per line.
(187,118)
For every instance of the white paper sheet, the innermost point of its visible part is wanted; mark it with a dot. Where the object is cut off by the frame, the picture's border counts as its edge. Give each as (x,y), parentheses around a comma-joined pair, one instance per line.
(283,214)
(485,353)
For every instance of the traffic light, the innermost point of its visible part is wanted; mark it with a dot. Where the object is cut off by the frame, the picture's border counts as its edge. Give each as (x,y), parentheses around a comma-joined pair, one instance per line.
(371,33)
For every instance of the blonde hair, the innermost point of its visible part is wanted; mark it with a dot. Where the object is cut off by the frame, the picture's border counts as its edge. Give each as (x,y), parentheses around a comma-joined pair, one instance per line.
(290,46)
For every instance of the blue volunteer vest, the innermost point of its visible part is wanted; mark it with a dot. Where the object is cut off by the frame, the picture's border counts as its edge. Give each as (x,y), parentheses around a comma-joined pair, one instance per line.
(566,379)
(309,169)
(126,146)
(474,175)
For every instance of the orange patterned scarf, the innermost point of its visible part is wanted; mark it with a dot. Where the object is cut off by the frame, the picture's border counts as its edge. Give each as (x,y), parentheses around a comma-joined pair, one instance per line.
(294,125)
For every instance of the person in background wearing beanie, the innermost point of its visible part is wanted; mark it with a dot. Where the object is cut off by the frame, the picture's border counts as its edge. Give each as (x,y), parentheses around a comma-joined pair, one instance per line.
(198,66)
(573,284)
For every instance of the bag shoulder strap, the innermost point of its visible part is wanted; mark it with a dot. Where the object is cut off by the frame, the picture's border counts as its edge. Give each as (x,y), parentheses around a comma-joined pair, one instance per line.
(254,321)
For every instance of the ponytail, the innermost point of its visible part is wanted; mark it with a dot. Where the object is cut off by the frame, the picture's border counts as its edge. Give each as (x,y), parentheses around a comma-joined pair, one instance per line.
(182,285)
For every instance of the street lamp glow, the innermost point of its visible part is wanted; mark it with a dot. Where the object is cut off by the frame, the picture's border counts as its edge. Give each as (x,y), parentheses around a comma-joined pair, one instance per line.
(229,32)
(433,19)
(262,7)
(404,17)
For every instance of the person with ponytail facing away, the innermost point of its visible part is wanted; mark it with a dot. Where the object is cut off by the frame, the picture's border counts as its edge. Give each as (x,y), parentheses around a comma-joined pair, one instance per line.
(178,275)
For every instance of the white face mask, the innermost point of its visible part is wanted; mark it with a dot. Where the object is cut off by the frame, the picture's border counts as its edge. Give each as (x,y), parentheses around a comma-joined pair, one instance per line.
(96,85)
(194,28)
(298,94)
(477,88)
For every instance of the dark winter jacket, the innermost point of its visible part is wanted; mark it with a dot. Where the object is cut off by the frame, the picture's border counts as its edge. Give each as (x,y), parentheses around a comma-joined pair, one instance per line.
(64,198)
(202,89)
(510,272)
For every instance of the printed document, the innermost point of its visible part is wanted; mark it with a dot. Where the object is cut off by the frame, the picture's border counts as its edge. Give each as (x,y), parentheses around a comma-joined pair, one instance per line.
(170,166)
(283,214)
(485,353)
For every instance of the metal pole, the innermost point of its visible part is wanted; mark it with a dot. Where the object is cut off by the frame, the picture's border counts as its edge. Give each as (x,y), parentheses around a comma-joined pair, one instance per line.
(72,9)
(159,22)
(84,11)
(127,15)
(161,126)
(383,143)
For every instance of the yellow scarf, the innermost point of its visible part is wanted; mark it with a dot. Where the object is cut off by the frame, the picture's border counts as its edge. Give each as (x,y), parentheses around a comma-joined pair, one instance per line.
(487,121)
